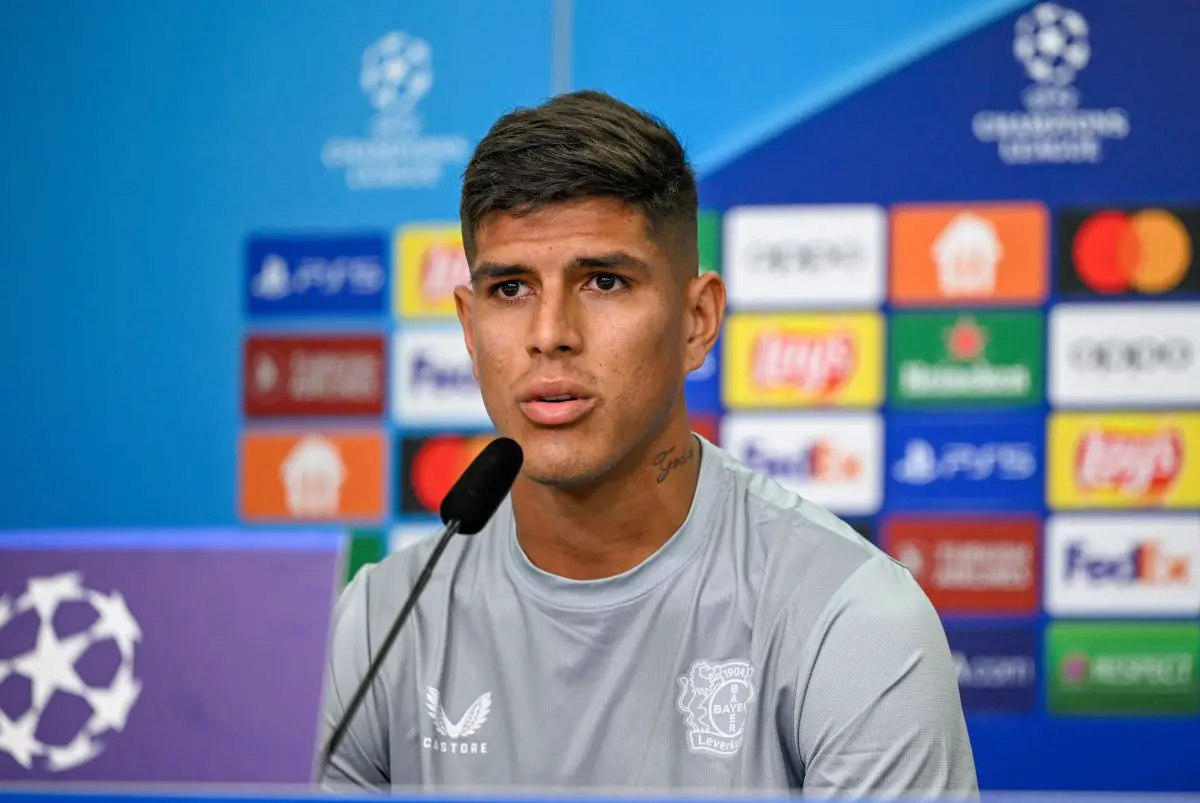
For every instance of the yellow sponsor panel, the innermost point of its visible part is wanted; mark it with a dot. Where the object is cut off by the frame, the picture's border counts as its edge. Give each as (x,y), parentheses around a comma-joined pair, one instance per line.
(1123,460)
(818,360)
(430,263)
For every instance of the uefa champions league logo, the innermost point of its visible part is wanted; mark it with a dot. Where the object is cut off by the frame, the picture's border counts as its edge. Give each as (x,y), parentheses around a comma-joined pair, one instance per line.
(51,669)
(1052,43)
(395,74)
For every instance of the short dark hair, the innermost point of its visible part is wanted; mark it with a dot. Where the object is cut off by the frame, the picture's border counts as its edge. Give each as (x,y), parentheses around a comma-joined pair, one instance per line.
(579,145)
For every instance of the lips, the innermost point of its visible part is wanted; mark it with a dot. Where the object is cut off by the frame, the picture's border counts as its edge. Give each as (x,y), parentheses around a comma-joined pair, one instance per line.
(552,404)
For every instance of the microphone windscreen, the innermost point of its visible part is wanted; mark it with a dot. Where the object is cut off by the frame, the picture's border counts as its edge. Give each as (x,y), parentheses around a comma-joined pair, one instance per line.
(482,487)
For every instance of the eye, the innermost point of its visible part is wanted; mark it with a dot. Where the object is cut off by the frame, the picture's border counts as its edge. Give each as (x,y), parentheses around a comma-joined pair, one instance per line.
(509,290)
(607,282)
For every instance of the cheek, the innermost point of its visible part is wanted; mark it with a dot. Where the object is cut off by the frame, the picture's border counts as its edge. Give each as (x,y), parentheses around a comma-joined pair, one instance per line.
(492,360)
(640,360)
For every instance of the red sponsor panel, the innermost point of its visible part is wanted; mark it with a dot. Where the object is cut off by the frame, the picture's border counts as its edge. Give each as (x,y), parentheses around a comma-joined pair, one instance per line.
(313,375)
(970,565)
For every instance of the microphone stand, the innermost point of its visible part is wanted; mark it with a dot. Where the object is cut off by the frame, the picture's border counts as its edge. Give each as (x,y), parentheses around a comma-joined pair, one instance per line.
(343,727)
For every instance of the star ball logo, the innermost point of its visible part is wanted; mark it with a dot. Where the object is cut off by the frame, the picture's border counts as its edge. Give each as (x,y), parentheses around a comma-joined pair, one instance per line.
(73,648)
(1053,45)
(395,74)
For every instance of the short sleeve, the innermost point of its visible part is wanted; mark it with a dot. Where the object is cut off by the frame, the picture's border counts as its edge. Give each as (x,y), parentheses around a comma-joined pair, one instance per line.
(881,715)
(360,761)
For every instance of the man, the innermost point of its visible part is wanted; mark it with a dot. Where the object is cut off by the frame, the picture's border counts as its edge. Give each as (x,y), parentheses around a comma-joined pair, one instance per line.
(643,611)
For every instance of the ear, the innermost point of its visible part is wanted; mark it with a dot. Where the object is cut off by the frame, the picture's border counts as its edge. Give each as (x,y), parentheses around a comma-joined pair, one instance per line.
(705,300)
(464,305)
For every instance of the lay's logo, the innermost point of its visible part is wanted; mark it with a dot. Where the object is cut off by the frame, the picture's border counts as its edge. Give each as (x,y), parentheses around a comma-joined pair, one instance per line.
(431,263)
(819,365)
(1124,461)
(1142,464)
(802,360)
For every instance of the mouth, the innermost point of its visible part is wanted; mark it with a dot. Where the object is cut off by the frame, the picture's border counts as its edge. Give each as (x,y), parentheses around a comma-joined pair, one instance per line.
(556,406)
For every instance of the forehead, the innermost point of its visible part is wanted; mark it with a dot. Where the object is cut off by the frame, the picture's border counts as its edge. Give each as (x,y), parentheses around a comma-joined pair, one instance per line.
(565,231)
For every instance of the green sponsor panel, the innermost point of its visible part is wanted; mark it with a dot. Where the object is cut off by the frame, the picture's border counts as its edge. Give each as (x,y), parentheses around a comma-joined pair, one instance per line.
(709,241)
(1128,668)
(967,359)
(364,546)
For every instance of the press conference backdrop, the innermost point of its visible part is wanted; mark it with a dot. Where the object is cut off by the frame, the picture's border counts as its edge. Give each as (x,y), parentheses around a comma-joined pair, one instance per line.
(959,239)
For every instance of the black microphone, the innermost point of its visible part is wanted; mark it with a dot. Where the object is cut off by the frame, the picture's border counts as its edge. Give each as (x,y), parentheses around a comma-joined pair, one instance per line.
(466,509)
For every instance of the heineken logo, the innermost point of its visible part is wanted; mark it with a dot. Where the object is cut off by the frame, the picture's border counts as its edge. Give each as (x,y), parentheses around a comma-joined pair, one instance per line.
(965,340)
(988,357)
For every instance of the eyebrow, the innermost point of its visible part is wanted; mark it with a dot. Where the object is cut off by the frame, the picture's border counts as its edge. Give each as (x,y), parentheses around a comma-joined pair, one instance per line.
(609,260)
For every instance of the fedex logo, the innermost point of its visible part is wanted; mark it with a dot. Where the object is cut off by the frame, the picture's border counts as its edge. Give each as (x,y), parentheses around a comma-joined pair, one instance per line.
(821,460)
(433,383)
(431,372)
(833,460)
(1112,565)
(1145,563)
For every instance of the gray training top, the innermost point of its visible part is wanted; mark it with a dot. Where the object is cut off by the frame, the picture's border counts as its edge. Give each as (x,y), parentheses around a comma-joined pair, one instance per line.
(766,645)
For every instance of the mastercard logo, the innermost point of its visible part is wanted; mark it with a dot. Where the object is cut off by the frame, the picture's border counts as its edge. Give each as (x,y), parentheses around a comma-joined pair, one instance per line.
(434,465)
(1149,252)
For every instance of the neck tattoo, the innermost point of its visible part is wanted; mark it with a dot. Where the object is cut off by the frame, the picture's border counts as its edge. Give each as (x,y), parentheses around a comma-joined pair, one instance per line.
(667,461)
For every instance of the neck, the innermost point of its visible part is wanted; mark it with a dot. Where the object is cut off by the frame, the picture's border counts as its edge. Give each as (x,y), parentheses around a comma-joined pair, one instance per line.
(611,527)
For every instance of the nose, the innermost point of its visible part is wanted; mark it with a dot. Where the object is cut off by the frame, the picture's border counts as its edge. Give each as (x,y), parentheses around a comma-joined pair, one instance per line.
(555,328)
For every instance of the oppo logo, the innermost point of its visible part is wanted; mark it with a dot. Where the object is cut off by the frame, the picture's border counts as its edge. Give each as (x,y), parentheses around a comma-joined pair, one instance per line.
(806,256)
(1136,355)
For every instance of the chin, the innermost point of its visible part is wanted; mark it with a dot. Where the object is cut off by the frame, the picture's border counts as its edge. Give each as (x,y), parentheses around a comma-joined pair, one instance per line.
(560,466)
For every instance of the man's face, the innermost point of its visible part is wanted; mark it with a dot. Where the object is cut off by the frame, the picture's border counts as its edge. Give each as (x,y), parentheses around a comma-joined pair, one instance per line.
(577,326)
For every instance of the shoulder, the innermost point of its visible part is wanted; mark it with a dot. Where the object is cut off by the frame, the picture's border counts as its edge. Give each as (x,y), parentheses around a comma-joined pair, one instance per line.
(805,560)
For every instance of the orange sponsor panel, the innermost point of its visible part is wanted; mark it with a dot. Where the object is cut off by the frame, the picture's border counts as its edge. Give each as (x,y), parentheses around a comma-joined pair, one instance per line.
(960,254)
(313,476)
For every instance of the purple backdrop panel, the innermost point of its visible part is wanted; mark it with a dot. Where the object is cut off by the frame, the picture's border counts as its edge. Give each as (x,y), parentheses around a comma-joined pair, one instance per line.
(163,656)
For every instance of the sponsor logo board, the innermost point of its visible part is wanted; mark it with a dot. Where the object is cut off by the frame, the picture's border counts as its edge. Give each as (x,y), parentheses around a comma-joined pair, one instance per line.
(1123,564)
(429,467)
(959,255)
(1131,355)
(430,263)
(965,461)
(805,256)
(432,380)
(966,358)
(996,667)
(1128,252)
(708,241)
(312,475)
(970,564)
(832,460)
(306,275)
(1146,668)
(782,361)
(1123,460)
(312,375)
